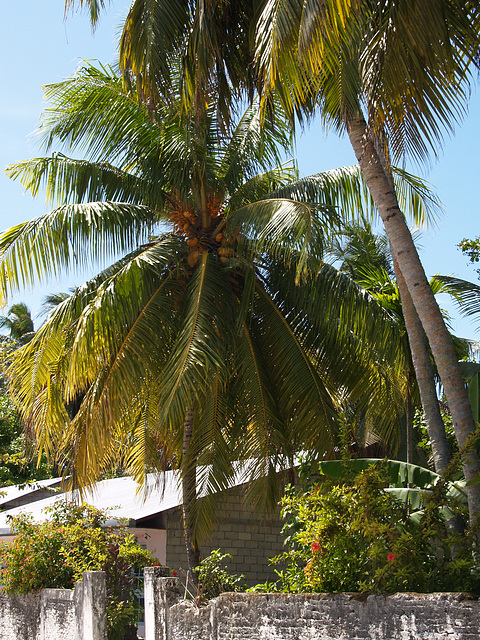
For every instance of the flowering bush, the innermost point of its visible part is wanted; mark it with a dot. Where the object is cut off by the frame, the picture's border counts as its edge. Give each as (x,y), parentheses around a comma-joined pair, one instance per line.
(55,554)
(214,577)
(355,536)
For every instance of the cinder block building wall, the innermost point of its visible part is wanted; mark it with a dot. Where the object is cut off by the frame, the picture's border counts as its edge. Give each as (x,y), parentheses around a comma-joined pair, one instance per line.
(243,532)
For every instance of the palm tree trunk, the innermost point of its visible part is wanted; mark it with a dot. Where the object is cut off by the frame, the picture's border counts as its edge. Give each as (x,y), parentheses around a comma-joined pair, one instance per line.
(428,394)
(409,421)
(189,496)
(425,378)
(404,251)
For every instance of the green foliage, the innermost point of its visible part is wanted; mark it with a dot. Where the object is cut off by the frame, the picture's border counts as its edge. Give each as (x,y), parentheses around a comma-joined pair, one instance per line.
(424,442)
(354,535)
(214,578)
(55,553)
(206,302)
(19,324)
(471,248)
(16,465)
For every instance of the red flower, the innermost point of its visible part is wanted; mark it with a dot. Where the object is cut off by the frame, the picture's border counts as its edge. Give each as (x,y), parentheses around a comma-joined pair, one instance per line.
(156,564)
(391,557)
(315,546)
(174,574)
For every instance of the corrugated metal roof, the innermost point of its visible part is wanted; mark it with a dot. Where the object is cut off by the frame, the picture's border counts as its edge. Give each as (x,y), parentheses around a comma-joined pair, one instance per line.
(7,494)
(120,496)
(123,498)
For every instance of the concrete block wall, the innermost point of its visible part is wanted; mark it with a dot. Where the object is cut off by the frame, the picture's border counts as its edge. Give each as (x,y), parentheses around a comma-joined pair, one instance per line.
(243,616)
(57,614)
(249,539)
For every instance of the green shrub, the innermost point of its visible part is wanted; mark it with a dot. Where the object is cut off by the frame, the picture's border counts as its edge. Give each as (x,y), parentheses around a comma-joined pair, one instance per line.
(214,577)
(353,535)
(55,553)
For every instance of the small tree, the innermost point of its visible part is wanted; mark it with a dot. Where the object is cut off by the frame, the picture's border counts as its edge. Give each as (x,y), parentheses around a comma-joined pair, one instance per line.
(55,553)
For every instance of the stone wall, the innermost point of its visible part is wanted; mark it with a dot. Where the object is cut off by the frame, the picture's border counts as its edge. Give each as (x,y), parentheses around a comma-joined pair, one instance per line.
(243,533)
(19,616)
(57,614)
(240,616)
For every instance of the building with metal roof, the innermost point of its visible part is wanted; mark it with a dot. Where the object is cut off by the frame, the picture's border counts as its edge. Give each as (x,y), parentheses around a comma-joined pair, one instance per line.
(153,514)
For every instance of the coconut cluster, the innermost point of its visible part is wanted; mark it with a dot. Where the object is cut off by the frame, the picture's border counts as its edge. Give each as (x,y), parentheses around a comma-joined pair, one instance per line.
(188,223)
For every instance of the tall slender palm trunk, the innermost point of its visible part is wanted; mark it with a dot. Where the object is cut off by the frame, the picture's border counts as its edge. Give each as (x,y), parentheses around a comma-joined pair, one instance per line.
(409,421)
(428,393)
(189,495)
(405,253)
(424,374)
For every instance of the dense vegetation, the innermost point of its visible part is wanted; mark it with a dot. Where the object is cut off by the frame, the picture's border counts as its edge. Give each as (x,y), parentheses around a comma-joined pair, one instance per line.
(219,335)
(74,539)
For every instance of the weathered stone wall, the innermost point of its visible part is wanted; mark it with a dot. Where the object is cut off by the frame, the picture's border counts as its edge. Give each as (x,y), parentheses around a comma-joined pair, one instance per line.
(249,539)
(240,616)
(57,614)
(19,616)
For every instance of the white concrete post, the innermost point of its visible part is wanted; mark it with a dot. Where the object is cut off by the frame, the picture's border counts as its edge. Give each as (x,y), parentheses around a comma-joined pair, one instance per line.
(94,606)
(159,595)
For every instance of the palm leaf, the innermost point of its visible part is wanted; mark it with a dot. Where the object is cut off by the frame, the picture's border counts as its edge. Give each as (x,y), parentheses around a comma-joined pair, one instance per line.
(200,343)
(70,236)
(67,180)
(399,473)
(345,188)
(466,295)
(285,228)
(92,112)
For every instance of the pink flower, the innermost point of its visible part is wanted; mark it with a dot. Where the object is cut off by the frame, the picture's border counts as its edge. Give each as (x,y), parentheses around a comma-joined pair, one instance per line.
(391,557)
(315,546)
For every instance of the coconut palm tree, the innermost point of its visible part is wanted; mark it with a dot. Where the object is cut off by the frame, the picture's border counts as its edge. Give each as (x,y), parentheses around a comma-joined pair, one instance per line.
(366,257)
(393,76)
(184,352)
(19,323)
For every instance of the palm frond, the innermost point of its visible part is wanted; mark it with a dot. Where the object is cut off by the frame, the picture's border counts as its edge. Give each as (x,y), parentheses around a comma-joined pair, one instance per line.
(309,406)
(262,185)
(199,347)
(422,58)
(416,198)
(345,188)
(93,113)
(254,144)
(94,6)
(152,31)
(466,295)
(67,180)
(76,235)
(286,228)
(349,338)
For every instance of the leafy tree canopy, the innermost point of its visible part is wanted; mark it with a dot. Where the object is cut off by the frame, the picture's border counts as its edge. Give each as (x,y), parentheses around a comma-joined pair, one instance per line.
(203,310)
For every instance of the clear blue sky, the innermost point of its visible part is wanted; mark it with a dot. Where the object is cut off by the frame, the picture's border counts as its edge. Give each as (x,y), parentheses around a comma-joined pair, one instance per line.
(39,47)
